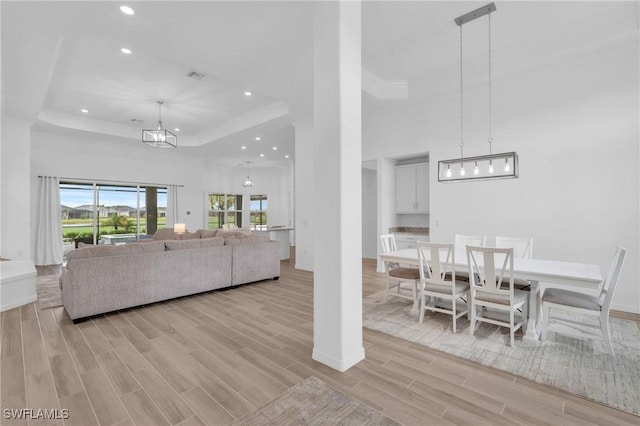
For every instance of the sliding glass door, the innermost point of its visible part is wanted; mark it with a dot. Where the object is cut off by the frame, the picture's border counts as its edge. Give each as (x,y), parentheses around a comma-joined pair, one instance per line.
(111,214)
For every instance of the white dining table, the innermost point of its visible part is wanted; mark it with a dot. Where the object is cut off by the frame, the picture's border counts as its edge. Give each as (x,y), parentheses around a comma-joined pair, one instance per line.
(552,273)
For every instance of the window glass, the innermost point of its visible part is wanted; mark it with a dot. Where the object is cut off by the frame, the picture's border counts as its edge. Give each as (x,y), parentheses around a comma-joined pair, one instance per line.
(120,213)
(258,213)
(224,209)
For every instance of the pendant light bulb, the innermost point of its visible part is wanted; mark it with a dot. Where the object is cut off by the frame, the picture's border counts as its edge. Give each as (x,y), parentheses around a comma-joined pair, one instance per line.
(490,166)
(506,165)
(476,170)
(448,170)
(462,170)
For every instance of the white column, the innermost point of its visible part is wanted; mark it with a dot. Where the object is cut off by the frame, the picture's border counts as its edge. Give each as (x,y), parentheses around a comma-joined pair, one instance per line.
(337,186)
(304,196)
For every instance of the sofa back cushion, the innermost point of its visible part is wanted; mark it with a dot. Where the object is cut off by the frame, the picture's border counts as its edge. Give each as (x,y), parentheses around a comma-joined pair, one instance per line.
(113,250)
(193,243)
(246,239)
(165,234)
(206,233)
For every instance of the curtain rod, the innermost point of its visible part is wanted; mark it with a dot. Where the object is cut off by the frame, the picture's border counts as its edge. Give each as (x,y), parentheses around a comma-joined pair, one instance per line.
(114,182)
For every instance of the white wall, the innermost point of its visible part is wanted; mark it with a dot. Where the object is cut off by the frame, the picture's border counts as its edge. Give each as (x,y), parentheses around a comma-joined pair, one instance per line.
(573,121)
(274,182)
(131,161)
(15,185)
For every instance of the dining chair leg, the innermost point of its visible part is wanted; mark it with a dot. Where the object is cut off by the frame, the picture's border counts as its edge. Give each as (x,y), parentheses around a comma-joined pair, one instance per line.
(472,325)
(453,310)
(604,325)
(546,312)
(511,323)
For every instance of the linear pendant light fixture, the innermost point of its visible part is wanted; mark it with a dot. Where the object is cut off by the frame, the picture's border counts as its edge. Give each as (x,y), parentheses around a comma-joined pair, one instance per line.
(159,137)
(484,167)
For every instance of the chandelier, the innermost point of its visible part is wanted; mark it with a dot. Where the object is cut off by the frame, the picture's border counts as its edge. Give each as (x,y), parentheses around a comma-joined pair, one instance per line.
(247,182)
(492,166)
(159,137)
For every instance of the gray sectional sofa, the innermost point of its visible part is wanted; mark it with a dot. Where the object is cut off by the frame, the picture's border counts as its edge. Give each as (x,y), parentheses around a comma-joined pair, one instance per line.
(100,279)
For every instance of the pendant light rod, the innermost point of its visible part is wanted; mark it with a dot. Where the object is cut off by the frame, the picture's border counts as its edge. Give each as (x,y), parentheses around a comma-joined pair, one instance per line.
(475,14)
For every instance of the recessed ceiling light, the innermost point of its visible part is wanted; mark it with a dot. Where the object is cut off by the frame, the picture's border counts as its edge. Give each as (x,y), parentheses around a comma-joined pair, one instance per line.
(176,129)
(257,138)
(248,93)
(126,51)
(243,147)
(261,155)
(286,156)
(275,148)
(84,110)
(127,10)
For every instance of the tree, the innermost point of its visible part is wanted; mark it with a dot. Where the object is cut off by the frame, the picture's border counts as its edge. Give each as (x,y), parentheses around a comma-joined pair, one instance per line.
(119,221)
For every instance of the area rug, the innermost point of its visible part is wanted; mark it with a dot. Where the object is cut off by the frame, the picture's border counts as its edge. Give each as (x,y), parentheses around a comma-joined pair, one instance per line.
(48,291)
(579,366)
(313,402)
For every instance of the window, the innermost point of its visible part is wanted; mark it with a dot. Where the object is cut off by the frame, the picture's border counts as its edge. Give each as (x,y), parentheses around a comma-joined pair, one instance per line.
(224,209)
(258,211)
(106,213)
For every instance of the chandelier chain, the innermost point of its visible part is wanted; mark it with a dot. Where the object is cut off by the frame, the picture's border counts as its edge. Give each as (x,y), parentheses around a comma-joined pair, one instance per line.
(490,139)
(461,102)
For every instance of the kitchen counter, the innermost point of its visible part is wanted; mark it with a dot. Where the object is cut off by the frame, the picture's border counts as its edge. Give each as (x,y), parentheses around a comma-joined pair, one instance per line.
(413,230)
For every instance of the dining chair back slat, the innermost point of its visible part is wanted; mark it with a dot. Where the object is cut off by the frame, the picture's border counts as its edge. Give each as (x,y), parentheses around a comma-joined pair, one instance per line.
(522,247)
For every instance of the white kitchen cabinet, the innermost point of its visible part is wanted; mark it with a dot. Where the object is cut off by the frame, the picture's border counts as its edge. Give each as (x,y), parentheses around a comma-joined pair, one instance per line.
(412,189)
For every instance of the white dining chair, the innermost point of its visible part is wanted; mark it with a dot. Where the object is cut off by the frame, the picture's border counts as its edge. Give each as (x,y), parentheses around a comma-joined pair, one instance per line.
(399,277)
(522,249)
(438,282)
(489,269)
(556,299)
(461,243)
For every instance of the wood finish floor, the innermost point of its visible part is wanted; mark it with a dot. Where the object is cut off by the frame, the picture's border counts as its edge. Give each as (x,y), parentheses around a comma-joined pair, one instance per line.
(212,358)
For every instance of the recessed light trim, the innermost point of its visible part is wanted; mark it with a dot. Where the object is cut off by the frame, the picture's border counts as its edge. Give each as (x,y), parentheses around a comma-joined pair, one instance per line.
(243,147)
(127,10)
(258,138)
(176,129)
(248,93)
(126,51)
(286,156)
(84,110)
(261,155)
(275,148)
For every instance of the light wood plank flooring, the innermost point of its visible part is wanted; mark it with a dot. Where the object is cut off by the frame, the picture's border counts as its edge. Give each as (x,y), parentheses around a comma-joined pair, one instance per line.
(212,358)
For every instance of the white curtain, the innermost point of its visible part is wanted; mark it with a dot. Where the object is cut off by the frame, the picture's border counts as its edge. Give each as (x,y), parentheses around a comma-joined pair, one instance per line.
(49,226)
(172,205)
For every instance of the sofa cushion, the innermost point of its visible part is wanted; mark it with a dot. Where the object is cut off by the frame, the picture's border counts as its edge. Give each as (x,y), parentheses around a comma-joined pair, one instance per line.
(193,243)
(188,236)
(246,239)
(165,234)
(113,250)
(206,233)
(228,234)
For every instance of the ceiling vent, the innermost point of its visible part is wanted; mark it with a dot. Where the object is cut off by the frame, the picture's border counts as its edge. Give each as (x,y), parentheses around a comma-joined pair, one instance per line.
(195,75)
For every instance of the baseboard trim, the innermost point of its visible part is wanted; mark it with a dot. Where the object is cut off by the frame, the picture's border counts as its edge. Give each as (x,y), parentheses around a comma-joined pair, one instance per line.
(625,315)
(341,365)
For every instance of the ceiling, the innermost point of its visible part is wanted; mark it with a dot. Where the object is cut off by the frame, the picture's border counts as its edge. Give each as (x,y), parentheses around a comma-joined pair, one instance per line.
(61,57)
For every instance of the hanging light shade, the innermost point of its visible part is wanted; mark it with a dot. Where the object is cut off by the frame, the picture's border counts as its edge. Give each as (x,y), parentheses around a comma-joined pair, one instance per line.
(159,137)
(492,166)
(247,182)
